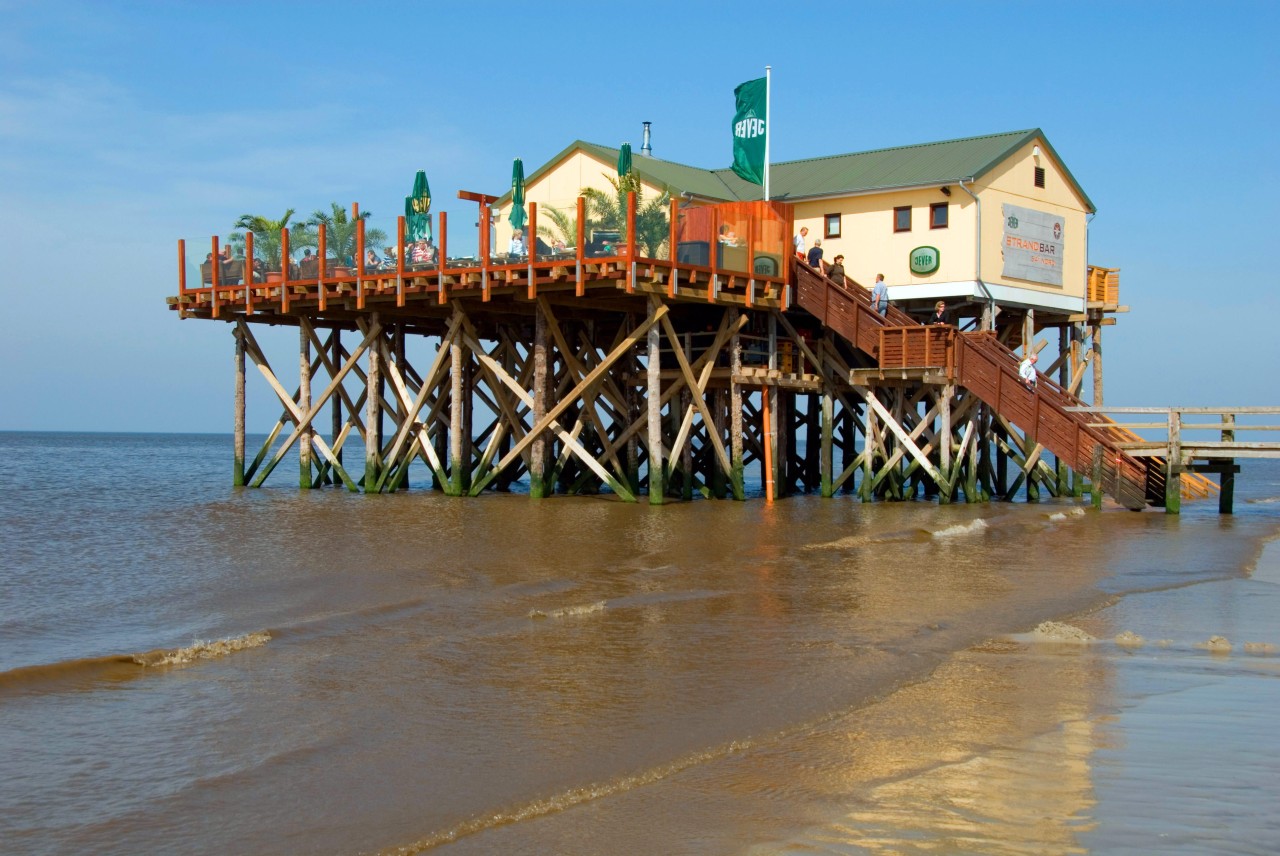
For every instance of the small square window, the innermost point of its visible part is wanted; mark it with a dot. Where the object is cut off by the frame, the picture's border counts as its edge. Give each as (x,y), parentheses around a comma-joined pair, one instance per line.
(832,223)
(938,215)
(902,219)
(1039,176)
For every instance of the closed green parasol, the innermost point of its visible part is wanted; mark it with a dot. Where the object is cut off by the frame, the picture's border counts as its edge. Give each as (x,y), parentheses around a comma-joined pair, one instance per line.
(417,209)
(517,217)
(624,160)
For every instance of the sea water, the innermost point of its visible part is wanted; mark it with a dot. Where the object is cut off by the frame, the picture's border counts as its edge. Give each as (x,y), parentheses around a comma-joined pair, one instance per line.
(185,667)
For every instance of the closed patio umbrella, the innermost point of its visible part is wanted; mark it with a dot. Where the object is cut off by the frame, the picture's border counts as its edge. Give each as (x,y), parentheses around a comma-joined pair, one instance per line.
(517,216)
(624,160)
(416,210)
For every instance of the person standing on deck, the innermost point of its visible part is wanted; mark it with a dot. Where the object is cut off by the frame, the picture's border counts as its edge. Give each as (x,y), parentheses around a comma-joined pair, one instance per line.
(836,272)
(815,254)
(880,296)
(799,242)
(1027,371)
(939,315)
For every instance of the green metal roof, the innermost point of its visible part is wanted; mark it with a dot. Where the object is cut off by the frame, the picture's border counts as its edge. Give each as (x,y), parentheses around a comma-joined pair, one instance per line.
(922,165)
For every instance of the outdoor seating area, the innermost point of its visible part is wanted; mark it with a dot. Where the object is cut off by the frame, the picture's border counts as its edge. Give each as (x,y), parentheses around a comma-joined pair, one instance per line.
(751,241)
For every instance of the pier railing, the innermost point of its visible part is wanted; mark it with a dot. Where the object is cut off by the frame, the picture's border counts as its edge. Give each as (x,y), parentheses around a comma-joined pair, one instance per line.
(750,265)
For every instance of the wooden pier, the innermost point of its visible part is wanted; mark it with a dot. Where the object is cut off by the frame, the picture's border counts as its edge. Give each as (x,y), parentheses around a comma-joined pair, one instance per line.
(662,377)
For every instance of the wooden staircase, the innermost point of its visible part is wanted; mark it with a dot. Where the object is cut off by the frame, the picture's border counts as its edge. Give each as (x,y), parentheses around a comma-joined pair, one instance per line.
(989,370)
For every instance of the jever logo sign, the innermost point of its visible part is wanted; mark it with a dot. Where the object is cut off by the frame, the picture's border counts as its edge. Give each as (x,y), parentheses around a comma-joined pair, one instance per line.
(925,260)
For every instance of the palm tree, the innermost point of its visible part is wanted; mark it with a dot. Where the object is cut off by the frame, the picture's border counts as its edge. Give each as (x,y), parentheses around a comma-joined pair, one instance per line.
(610,212)
(340,232)
(266,236)
(566,225)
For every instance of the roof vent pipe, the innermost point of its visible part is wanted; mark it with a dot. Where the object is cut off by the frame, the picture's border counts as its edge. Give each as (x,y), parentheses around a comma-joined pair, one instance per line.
(645,148)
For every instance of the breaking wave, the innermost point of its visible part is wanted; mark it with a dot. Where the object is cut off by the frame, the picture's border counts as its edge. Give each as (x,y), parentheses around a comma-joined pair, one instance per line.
(961,529)
(90,671)
(568,611)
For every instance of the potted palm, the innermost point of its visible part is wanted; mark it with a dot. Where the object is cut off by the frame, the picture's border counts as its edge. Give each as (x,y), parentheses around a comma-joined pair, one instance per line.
(266,239)
(340,235)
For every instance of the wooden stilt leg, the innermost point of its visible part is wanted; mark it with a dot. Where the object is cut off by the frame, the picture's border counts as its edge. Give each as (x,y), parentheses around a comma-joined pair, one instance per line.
(826,462)
(373,414)
(538,451)
(657,485)
(304,401)
(456,417)
(237,471)
(336,422)
(736,475)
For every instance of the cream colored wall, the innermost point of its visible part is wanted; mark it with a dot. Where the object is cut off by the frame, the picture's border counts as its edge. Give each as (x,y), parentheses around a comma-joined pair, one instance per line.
(870,245)
(1013,181)
(559,187)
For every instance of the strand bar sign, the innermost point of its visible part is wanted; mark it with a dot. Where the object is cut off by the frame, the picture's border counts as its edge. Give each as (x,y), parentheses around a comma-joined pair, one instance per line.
(1032,245)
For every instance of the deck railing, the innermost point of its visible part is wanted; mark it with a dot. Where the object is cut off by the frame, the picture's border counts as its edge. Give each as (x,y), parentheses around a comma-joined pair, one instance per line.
(221,281)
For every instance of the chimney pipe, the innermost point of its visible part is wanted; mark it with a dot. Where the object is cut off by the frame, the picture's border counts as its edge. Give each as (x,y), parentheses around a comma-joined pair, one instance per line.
(645,148)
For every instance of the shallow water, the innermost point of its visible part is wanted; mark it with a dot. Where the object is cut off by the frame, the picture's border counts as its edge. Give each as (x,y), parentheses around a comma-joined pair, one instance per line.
(413,672)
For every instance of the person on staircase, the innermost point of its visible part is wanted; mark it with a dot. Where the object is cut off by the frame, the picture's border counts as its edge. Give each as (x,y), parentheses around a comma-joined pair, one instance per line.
(880,296)
(1027,371)
(815,254)
(836,272)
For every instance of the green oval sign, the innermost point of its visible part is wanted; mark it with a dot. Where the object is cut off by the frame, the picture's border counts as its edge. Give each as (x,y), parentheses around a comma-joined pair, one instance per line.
(925,259)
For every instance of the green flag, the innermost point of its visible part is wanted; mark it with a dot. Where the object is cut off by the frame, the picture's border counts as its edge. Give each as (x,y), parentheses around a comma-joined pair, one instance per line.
(749,126)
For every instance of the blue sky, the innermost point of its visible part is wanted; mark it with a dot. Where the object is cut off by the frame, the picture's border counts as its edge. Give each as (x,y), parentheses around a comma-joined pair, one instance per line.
(125,126)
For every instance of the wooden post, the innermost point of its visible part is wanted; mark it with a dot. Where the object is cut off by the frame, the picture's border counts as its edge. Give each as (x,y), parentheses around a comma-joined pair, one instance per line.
(456,414)
(538,451)
(580,250)
(442,296)
(631,241)
(400,224)
(870,441)
(1077,334)
(826,461)
(1227,478)
(304,401)
(531,248)
(673,281)
(1098,400)
(336,420)
(373,414)
(1064,380)
(944,436)
(686,451)
(1095,480)
(359,262)
(237,471)
(321,263)
(1173,466)
(284,270)
(485,251)
(766,436)
(215,279)
(737,478)
(657,485)
(247,274)
(182,264)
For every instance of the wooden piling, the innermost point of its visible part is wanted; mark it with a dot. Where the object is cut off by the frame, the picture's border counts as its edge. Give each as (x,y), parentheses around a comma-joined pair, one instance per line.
(657,484)
(304,401)
(237,472)
(373,414)
(737,473)
(538,484)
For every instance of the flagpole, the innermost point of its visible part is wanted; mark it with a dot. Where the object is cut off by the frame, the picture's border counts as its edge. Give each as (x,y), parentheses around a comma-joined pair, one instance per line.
(768,128)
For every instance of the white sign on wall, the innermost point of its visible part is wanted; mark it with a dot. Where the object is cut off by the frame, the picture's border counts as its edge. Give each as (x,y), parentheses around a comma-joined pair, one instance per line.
(1032,245)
